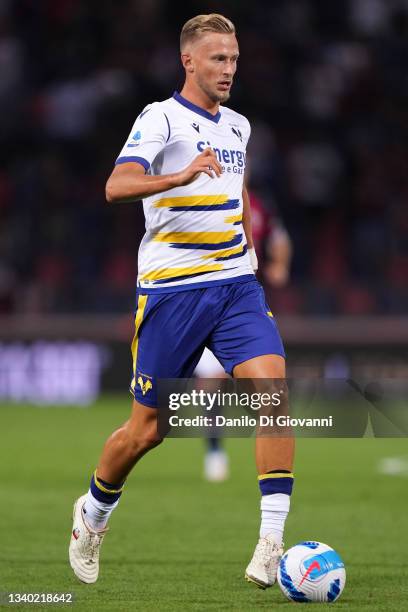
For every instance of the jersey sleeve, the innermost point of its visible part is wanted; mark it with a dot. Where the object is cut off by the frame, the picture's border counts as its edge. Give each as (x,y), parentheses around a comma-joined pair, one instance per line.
(247,132)
(148,137)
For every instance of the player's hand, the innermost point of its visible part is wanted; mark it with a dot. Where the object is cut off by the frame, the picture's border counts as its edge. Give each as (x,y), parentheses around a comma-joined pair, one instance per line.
(206,162)
(276,274)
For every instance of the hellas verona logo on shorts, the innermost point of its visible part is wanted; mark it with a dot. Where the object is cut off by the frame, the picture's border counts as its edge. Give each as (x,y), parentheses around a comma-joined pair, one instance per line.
(144,385)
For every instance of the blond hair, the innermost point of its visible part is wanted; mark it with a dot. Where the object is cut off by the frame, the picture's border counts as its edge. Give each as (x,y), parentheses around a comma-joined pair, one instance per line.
(200,24)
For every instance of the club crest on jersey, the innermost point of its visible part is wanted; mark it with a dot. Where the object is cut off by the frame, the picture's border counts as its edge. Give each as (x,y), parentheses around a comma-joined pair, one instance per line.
(237,133)
(145,385)
(76,533)
(196,127)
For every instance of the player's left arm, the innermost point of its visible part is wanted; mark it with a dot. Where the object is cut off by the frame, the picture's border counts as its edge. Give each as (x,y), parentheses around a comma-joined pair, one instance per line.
(246,206)
(246,217)
(247,225)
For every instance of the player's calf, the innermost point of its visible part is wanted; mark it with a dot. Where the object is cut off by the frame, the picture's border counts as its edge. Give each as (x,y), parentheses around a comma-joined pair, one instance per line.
(92,511)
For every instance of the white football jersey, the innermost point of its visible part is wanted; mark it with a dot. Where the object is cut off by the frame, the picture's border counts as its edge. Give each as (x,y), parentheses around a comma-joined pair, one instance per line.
(194,234)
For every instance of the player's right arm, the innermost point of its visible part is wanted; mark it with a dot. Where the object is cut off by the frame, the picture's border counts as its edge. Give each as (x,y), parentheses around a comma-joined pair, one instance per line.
(129,181)
(150,135)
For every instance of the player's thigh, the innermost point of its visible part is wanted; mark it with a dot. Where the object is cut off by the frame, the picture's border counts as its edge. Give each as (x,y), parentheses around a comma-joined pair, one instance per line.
(170,332)
(264,366)
(247,331)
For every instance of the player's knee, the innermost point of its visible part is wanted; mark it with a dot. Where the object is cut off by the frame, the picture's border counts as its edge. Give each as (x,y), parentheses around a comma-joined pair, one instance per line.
(143,442)
(151,441)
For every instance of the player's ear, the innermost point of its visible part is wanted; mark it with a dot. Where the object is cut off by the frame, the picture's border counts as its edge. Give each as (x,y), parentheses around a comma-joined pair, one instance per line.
(187,61)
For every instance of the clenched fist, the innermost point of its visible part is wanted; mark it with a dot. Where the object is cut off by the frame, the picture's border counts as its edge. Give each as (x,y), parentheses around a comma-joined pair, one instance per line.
(205,162)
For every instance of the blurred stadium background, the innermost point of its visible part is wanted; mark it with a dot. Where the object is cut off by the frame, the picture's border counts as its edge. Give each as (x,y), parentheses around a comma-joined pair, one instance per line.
(325,87)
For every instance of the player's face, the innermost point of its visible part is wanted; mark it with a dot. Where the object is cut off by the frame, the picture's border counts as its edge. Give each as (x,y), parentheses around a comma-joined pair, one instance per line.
(214,59)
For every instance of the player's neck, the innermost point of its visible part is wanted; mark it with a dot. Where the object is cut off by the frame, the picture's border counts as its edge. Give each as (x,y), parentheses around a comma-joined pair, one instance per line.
(200,99)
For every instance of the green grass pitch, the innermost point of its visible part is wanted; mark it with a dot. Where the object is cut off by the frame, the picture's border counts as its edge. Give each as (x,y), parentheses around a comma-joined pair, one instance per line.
(179,543)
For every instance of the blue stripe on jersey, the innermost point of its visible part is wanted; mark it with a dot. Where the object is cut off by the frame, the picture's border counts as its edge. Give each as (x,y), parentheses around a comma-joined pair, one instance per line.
(139,160)
(234,256)
(230,205)
(196,109)
(206,245)
(168,125)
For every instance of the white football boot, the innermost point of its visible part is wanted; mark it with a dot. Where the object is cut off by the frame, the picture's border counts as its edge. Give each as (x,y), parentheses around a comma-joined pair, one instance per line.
(216,467)
(263,567)
(84,546)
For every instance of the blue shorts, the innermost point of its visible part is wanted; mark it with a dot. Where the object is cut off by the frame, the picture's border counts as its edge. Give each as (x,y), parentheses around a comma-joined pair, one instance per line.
(172,330)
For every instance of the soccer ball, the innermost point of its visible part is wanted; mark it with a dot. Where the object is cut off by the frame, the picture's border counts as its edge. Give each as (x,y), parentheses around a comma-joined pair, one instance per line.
(311,571)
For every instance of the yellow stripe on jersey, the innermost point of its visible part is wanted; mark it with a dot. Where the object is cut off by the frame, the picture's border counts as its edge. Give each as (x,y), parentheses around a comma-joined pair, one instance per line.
(194,237)
(225,253)
(173,272)
(206,200)
(141,305)
(269,313)
(233,219)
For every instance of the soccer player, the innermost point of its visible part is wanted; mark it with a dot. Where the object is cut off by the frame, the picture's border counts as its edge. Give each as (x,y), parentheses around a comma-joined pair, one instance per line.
(185,157)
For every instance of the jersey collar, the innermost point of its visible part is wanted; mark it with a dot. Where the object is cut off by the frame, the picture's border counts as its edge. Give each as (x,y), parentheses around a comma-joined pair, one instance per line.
(196,109)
